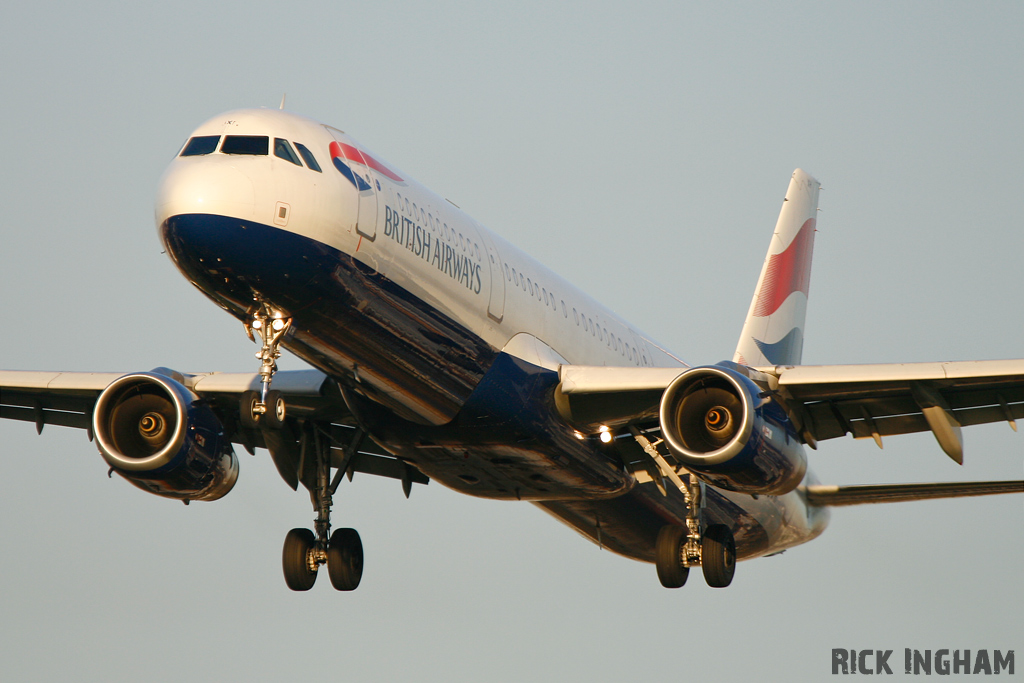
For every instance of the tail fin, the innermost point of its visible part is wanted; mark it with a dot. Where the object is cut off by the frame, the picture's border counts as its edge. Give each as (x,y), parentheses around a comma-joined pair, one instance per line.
(773,333)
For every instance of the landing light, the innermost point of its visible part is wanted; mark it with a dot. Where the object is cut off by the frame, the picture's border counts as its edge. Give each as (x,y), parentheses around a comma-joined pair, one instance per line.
(257,324)
(606,435)
(277,324)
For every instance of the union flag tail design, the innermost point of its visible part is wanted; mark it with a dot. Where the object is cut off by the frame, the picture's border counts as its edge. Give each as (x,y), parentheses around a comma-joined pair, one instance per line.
(773,333)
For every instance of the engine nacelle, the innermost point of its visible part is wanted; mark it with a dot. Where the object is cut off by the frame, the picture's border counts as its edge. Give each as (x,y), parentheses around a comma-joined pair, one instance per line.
(156,433)
(717,423)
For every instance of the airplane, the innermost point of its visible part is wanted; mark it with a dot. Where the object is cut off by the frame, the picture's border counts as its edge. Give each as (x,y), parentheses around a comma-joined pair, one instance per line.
(439,351)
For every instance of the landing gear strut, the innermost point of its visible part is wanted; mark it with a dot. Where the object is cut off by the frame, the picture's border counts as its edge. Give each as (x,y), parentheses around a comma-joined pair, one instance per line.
(677,549)
(265,406)
(304,551)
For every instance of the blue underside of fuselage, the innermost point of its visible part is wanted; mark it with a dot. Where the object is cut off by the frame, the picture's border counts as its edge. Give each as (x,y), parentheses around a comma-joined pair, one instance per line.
(503,438)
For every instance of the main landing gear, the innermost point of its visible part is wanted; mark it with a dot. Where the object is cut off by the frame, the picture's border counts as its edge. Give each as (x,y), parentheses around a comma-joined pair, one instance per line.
(677,548)
(305,551)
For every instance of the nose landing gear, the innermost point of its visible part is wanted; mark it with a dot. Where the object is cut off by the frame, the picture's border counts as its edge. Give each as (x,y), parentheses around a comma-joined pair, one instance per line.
(265,406)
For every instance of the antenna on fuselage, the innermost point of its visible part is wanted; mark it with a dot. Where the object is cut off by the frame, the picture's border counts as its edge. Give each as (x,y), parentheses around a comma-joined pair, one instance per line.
(282,101)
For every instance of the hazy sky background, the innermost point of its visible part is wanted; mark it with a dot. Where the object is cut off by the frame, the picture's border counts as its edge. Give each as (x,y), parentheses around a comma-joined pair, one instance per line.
(640,150)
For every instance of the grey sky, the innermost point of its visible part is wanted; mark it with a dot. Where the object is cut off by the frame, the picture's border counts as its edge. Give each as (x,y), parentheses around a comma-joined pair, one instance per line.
(642,151)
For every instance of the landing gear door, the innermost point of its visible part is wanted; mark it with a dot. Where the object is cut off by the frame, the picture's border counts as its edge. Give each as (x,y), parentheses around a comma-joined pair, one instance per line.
(347,158)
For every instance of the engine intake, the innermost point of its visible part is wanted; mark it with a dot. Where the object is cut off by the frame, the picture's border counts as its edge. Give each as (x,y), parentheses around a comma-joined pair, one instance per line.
(158,435)
(717,424)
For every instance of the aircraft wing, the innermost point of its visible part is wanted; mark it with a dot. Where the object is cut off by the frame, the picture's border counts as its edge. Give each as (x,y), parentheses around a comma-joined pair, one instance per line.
(67,399)
(824,401)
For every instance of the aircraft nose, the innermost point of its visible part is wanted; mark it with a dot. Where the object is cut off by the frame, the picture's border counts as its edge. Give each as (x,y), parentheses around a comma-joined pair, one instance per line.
(201,187)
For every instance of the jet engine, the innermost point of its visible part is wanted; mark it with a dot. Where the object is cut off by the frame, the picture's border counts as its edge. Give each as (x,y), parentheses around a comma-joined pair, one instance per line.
(160,436)
(723,428)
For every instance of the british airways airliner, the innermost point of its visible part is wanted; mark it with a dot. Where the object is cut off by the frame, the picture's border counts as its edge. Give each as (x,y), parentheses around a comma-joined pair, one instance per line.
(440,351)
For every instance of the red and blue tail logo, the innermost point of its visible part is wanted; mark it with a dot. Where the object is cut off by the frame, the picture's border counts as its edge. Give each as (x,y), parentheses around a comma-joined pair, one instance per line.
(773,333)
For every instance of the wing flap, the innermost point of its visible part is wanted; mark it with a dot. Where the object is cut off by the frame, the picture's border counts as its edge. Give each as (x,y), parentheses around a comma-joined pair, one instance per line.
(883,400)
(46,417)
(833,496)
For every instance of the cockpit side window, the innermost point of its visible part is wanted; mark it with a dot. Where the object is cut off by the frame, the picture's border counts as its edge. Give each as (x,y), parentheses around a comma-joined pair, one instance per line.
(283,150)
(199,145)
(246,144)
(308,156)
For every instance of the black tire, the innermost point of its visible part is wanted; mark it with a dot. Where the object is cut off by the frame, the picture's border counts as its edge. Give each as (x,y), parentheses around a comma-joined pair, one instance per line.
(274,417)
(668,556)
(718,556)
(295,559)
(345,559)
(247,415)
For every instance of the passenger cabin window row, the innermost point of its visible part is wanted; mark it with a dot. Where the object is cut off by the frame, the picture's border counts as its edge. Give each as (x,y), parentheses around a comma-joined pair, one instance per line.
(597,331)
(252,145)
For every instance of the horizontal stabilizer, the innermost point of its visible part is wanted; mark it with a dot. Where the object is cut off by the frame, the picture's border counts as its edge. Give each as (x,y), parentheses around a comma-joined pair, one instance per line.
(832,496)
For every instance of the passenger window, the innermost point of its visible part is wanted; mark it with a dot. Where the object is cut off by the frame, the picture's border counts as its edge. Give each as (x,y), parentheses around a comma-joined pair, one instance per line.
(576,316)
(310,159)
(283,150)
(590,322)
(529,283)
(508,276)
(257,145)
(515,277)
(199,145)
(565,311)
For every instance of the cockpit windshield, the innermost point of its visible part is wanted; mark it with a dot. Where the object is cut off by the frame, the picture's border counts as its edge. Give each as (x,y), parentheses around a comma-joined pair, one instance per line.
(308,156)
(199,145)
(283,150)
(258,145)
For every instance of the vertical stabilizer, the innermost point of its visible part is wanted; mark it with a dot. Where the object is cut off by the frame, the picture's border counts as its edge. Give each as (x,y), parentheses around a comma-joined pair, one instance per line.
(773,333)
